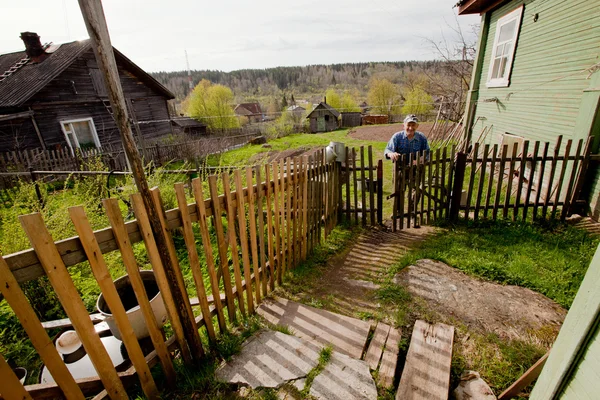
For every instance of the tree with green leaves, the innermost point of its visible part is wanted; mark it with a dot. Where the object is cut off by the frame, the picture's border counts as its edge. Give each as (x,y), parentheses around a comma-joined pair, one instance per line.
(417,101)
(344,103)
(212,104)
(384,97)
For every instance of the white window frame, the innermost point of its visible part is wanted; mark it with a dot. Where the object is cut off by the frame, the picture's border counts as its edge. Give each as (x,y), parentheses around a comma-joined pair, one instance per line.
(63,126)
(511,16)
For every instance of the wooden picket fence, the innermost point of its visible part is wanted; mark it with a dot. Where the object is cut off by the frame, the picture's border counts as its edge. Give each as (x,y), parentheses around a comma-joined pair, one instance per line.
(266,220)
(491,183)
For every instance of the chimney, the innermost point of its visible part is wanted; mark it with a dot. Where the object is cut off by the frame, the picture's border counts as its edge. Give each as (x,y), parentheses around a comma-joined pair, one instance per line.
(33,46)
(325,99)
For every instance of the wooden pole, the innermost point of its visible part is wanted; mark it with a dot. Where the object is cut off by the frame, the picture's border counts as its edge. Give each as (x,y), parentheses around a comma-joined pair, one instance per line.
(93,15)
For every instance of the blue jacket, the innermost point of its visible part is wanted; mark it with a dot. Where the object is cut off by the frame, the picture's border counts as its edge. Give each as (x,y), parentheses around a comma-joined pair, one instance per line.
(399,143)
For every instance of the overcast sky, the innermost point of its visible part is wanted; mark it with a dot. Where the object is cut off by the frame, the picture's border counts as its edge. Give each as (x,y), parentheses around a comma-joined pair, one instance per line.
(229,35)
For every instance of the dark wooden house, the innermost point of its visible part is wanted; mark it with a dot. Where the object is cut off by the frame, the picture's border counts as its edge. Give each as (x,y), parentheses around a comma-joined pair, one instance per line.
(252,111)
(54,96)
(189,126)
(323,118)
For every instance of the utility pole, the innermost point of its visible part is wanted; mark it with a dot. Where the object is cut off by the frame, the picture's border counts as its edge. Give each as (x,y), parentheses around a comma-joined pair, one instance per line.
(187,62)
(95,22)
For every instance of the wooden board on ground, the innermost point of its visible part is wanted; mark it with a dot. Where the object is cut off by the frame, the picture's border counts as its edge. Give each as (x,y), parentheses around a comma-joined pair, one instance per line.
(346,335)
(376,346)
(426,373)
(387,370)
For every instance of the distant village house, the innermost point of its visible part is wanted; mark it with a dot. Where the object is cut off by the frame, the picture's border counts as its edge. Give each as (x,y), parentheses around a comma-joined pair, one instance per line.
(252,111)
(323,118)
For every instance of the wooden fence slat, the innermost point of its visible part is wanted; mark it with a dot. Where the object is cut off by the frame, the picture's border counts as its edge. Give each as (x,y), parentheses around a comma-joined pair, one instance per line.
(347,182)
(581,174)
(190,243)
(239,189)
(551,177)
(500,181)
(363,186)
(380,191)
(522,166)
(355,185)
(563,169)
(253,235)
(282,220)
(540,179)
(59,277)
(157,200)
(572,181)
(422,166)
(12,389)
(527,203)
(509,181)
(446,184)
(114,302)
(230,210)
(430,186)
(295,203)
(161,276)
(490,185)
(40,340)
(270,231)
(261,228)
(288,205)
(208,252)
(471,179)
(482,176)
(305,172)
(437,189)
(403,188)
(222,246)
(371,186)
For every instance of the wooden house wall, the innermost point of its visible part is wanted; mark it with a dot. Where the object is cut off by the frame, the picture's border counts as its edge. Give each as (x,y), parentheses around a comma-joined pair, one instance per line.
(73,95)
(584,383)
(548,78)
(18,133)
(330,125)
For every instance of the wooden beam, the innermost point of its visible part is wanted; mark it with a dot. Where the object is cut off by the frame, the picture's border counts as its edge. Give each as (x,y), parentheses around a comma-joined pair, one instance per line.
(529,376)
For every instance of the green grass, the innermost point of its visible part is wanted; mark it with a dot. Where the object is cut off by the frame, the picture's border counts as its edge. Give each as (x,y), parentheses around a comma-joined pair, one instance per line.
(324,358)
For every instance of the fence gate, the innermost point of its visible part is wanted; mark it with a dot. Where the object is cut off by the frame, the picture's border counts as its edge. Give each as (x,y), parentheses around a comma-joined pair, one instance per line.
(519,182)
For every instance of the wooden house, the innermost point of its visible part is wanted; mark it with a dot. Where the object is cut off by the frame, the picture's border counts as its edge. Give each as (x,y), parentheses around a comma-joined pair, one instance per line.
(323,118)
(536,75)
(252,111)
(54,96)
(189,126)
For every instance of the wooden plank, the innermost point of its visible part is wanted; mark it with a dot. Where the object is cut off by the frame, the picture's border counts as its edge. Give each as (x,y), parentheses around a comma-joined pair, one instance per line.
(363,185)
(305,172)
(529,376)
(561,178)
(295,213)
(230,210)
(244,239)
(536,148)
(500,181)
(409,170)
(354,178)
(389,360)
(113,300)
(253,235)
(488,196)
(39,337)
(380,192)
(346,163)
(422,166)
(471,180)
(282,229)
(190,243)
(261,229)
(222,247)
(402,188)
(159,271)
(447,183)
(509,181)
(438,192)
(160,209)
(208,253)
(12,389)
(288,204)
(270,232)
(372,186)
(59,277)
(540,179)
(522,166)
(375,350)
(570,187)
(551,177)
(482,176)
(426,373)
(429,187)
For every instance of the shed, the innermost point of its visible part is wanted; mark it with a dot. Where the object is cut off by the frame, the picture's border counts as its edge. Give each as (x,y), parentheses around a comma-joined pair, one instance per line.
(323,118)
(351,119)
(189,126)
(53,96)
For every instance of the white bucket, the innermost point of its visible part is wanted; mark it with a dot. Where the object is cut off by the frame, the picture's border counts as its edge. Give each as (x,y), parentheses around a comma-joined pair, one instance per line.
(336,151)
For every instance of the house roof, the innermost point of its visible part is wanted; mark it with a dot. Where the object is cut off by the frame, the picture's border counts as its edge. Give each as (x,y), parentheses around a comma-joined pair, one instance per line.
(25,82)
(252,108)
(186,122)
(477,6)
(296,108)
(327,107)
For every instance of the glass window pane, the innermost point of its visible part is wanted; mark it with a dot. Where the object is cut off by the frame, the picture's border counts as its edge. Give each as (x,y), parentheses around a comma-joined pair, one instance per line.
(84,134)
(507,47)
(495,68)
(507,31)
(502,70)
(499,51)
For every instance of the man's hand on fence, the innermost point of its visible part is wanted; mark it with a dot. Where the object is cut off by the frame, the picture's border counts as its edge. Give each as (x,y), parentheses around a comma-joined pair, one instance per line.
(394,156)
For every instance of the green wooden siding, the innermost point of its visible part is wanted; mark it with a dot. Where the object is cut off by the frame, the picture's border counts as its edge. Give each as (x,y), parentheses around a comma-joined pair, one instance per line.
(547,78)
(585,381)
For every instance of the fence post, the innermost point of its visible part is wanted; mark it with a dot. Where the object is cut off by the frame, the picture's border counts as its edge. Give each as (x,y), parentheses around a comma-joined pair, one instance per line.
(37,187)
(380,192)
(459,177)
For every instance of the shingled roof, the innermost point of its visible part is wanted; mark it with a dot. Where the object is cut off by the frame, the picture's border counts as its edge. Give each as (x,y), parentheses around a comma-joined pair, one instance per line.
(327,107)
(24,83)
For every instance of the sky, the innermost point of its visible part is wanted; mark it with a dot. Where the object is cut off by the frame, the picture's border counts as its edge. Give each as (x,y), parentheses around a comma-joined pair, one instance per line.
(229,35)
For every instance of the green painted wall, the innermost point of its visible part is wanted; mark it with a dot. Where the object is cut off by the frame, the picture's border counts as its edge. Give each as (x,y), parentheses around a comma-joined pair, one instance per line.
(548,78)
(585,381)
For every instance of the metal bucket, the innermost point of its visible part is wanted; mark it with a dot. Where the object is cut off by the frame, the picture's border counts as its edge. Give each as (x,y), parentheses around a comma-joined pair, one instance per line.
(134,313)
(336,151)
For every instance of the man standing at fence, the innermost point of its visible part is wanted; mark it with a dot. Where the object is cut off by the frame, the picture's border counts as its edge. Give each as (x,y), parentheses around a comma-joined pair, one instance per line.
(407,141)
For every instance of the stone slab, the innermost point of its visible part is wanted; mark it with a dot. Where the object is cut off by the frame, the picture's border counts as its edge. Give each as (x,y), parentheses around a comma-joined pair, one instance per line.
(269,359)
(346,335)
(344,378)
